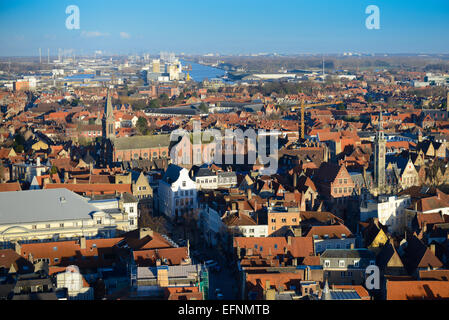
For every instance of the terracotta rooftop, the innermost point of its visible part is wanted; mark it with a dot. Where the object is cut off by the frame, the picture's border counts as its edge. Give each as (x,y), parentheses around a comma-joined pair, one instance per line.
(417,290)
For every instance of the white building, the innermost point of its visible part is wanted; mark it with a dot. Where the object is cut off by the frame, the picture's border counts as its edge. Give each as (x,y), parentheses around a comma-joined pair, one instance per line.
(177,192)
(27,171)
(390,210)
(123,209)
(256,231)
(206,179)
(77,287)
(211,225)
(51,214)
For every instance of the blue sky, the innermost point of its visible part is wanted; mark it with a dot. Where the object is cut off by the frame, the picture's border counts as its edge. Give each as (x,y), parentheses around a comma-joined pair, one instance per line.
(229,26)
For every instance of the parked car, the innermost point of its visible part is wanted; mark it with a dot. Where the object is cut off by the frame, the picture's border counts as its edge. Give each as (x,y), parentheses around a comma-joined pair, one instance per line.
(219,294)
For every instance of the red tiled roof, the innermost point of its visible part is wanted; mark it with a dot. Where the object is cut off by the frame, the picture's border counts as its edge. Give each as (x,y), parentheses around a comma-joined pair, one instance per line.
(417,290)
(10,186)
(64,250)
(174,256)
(300,246)
(334,231)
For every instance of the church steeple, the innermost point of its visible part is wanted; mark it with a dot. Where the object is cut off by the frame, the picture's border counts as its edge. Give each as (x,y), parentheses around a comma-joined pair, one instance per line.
(108,119)
(379,157)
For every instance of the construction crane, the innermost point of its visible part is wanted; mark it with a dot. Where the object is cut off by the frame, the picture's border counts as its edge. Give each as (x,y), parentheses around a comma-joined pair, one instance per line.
(322,104)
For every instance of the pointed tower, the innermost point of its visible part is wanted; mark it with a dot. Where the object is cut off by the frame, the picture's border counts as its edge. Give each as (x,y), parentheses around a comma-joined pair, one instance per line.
(108,119)
(379,157)
(302,120)
(447,102)
(326,294)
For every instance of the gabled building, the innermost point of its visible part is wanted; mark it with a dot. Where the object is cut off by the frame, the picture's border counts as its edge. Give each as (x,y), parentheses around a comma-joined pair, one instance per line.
(177,192)
(346,266)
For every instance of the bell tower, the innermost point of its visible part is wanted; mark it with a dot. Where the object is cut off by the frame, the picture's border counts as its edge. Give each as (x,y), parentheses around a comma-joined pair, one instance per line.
(108,119)
(379,157)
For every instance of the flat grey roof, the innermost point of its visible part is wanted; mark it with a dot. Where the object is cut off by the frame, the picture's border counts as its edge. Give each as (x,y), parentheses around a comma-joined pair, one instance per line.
(348,253)
(173,271)
(345,295)
(43,205)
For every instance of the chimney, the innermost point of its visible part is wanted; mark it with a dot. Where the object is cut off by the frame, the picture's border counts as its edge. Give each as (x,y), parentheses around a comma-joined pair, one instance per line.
(432,248)
(297,231)
(162,276)
(143,232)
(83,242)
(18,248)
(188,248)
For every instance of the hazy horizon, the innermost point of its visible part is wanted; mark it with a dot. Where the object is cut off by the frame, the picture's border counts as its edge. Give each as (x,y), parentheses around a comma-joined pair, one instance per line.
(233,27)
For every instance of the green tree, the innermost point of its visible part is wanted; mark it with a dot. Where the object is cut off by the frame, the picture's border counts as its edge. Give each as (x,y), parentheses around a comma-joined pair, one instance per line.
(53,170)
(74,102)
(155,103)
(18,144)
(341,106)
(142,125)
(203,107)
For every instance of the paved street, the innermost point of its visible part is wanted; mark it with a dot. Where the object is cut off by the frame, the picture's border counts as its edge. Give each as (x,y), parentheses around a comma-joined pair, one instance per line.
(225,279)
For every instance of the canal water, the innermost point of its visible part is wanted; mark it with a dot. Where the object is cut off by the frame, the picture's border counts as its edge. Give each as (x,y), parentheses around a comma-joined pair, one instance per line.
(201,72)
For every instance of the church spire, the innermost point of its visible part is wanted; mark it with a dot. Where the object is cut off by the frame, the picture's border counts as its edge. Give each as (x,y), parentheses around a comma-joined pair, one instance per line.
(108,119)
(381,127)
(108,106)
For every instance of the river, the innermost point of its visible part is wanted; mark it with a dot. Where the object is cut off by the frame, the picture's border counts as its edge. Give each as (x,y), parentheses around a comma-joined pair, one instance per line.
(200,72)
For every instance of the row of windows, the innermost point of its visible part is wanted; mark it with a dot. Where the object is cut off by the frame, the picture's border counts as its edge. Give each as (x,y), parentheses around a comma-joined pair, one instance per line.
(342,190)
(184,202)
(145,155)
(183,193)
(283,220)
(61,225)
(330,246)
(342,263)
(207,180)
